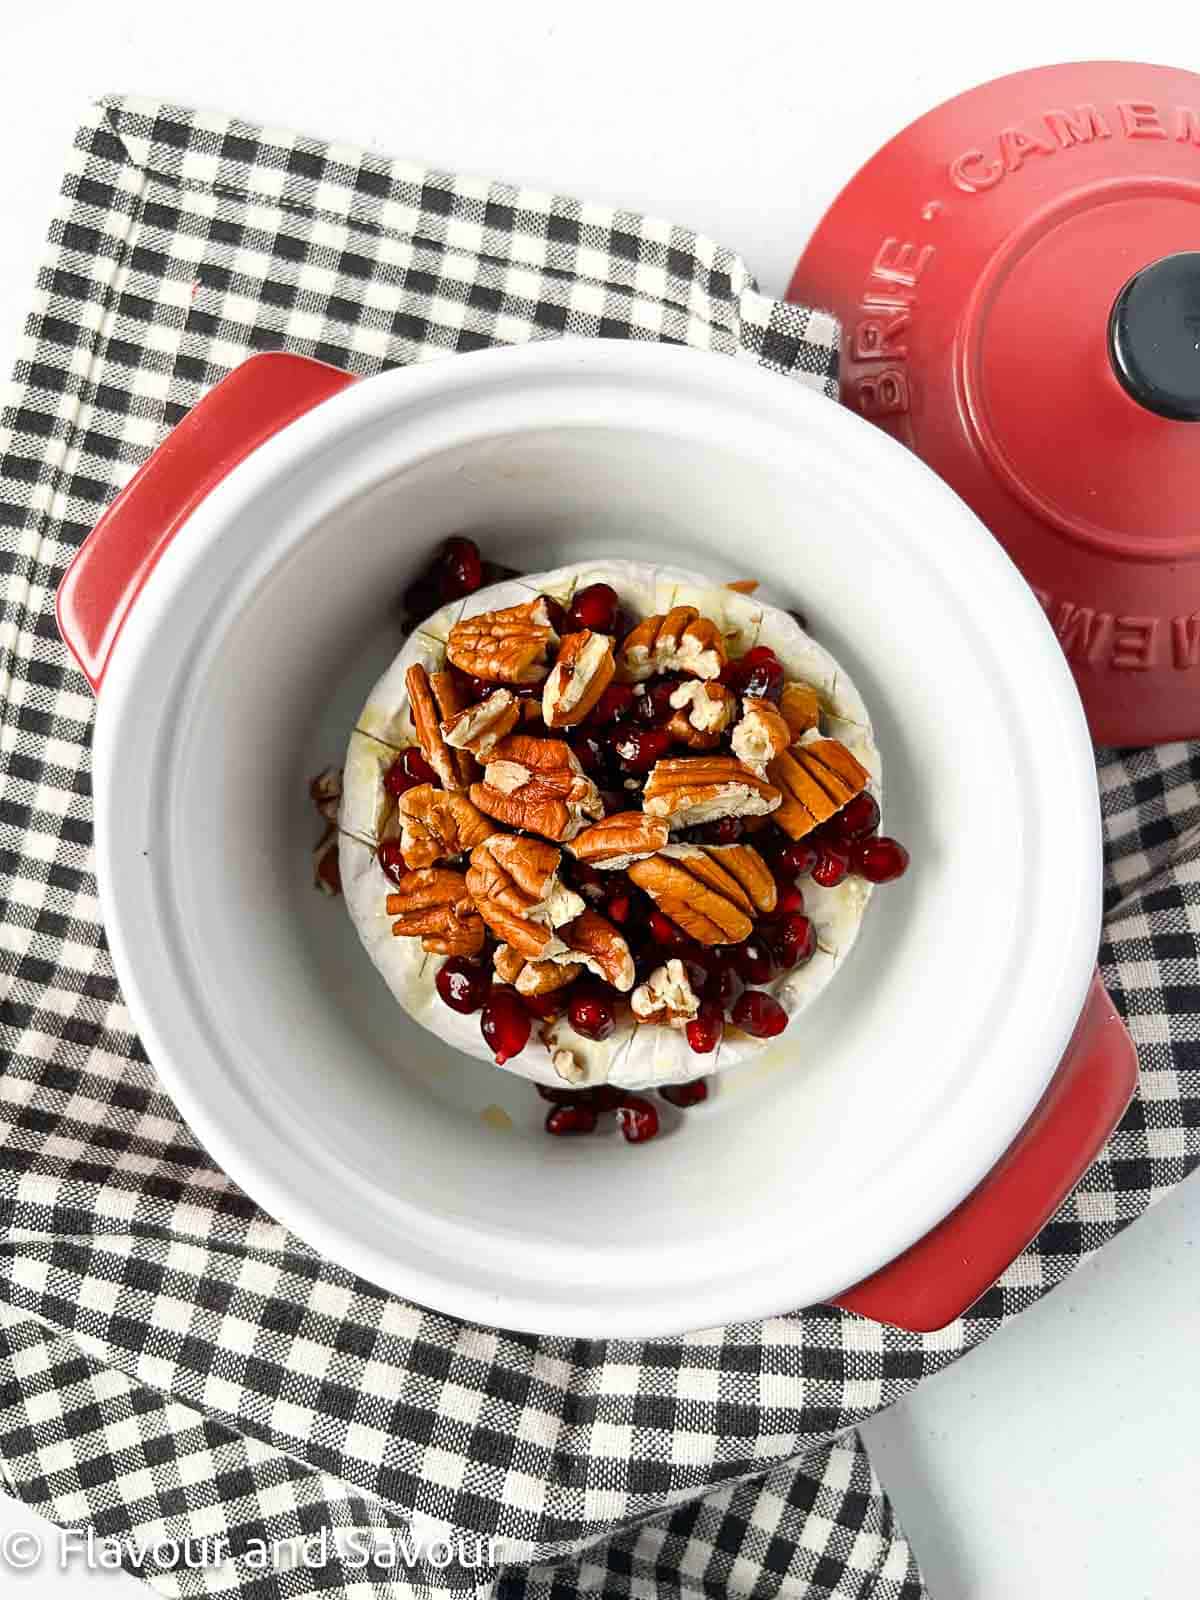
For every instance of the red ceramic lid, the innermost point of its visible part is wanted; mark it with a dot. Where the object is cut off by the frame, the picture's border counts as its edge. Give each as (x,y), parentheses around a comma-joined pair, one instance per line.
(1018,279)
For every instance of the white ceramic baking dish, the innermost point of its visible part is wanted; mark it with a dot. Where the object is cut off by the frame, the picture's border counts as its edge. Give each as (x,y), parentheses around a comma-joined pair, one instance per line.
(233,621)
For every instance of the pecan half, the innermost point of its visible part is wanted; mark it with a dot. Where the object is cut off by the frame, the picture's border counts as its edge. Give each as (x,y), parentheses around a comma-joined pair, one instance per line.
(601,949)
(702,713)
(799,708)
(514,884)
(533,977)
(327,874)
(695,891)
(479,728)
(429,728)
(579,677)
(433,904)
(507,646)
(436,824)
(689,790)
(666,997)
(743,862)
(680,641)
(624,837)
(538,785)
(760,734)
(817,779)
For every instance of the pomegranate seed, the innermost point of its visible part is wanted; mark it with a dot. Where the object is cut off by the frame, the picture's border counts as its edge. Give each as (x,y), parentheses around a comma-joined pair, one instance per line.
(655,705)
(686,1094)
(409,769)
(723,985)
(463,985)
(797,858)
(665,932)
(754,963)
(793,940)
(459,569)
(832,866)
(391,859)
(703,1034)
(881,860)
(858,818)
(637,1119)
(788,899)
(505,1024)
(618,906)
(545,1006)
(614,705)
(726,831)
(557,615)
(585,876)
(565,1120)
(757,673)
(562,1097)
(590,1012)
(421,598)
(474,689)
(595,607)
(593,753)
(639,748)
(329,870)
(760,1015)
(605,1097)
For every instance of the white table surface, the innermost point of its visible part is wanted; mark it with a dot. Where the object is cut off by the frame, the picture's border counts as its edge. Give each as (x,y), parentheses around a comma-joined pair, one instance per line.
(1060,1460)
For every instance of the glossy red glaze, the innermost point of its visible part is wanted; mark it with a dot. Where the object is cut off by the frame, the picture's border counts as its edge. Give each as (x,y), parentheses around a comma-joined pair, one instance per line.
(246,409)
(943,1274)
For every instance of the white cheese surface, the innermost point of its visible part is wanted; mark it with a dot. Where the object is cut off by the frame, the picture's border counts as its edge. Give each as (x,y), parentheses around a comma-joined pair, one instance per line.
(635,1056)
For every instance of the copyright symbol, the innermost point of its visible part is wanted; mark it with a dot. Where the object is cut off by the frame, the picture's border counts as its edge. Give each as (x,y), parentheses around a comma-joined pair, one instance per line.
(20,1550)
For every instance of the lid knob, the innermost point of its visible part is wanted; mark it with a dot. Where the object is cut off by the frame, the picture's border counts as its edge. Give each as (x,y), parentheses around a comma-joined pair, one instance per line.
(1154,336)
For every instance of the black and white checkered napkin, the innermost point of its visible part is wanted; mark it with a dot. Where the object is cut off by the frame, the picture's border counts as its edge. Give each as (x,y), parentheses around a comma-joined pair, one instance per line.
(173,1364)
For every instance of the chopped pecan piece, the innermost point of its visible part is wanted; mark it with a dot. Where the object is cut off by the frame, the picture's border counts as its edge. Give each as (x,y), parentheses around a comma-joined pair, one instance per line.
(514,884)
(760,734)
(326,793)
(429,728)
(533,977)
(680,641)
(436,824)
(817,779)
(479,728)
(703,711)
(666,997)
(624,837)
(743,862)
(689,790)
(579,677)
(433,903)
(743,585)
(538,785)
(507,646)
(799,708)
(695,891)
(450,701)
(601,949)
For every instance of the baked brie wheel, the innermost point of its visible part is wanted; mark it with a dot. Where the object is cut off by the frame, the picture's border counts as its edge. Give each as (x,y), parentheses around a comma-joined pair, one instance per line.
(504,855)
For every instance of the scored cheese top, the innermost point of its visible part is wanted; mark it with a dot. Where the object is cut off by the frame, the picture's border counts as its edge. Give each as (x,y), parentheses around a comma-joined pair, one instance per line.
(634,1057)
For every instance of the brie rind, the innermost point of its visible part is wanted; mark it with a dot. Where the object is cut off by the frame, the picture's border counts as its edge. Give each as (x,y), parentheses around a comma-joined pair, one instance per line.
(633,1057)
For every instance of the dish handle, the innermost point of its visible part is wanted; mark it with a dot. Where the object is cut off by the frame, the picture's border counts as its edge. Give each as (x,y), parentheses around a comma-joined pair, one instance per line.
(243,411)
(943,1274)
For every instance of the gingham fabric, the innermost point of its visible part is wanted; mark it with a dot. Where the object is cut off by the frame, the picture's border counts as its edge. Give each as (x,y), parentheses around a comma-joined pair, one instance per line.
(173,1364)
